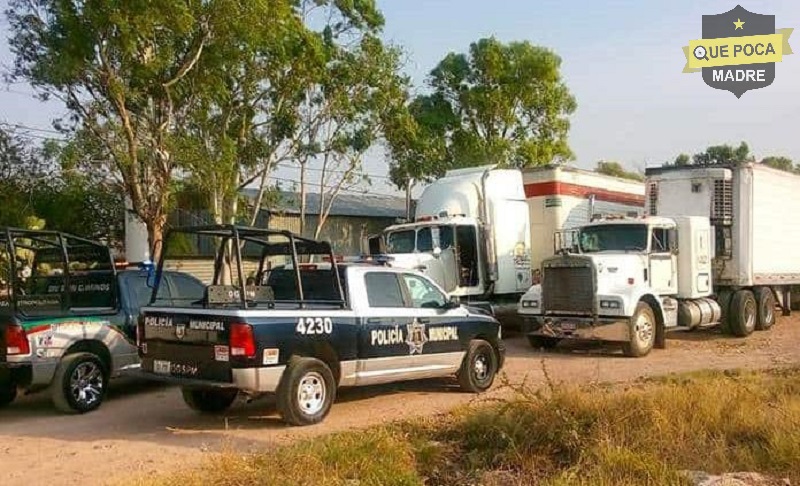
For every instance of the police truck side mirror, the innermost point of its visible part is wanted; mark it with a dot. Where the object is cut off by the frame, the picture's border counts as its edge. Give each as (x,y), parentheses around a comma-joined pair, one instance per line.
(437,252)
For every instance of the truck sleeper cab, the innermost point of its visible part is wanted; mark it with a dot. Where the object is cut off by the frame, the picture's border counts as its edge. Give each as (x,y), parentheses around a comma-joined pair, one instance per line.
(301,330)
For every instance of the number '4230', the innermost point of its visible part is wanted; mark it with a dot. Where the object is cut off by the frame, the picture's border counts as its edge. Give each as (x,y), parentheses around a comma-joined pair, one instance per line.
(314,325)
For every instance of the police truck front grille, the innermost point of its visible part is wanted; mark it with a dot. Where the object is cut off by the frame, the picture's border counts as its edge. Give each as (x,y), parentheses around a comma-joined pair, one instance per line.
(568,289)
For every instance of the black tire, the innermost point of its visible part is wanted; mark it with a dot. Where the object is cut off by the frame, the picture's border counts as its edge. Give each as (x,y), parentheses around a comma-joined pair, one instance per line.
(643,327)
(209,400)
(8,393)
(80,383)
(543,342)
(743,317)
(312,379)
(724,298)
(478,368)
(765,299)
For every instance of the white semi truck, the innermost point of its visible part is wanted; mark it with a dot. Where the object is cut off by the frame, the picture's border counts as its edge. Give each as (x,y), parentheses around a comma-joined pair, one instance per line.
(715,248)
(474,228)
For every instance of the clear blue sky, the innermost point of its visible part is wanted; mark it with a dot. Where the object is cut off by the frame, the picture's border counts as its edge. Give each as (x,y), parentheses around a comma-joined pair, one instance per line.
(621,59)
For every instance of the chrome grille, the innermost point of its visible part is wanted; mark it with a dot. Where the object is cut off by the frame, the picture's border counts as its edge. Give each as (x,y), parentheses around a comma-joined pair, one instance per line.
(568,288)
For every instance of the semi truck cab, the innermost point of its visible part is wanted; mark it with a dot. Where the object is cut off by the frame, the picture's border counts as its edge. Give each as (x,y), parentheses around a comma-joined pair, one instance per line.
(621,280)
(471,235)
(714,250)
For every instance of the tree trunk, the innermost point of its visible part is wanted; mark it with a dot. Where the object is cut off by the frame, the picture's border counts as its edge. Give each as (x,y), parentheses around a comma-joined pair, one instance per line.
(303,199)
(155,236)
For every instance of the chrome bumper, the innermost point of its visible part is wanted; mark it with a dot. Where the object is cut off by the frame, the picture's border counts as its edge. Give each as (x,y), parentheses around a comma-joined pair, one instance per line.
(614,329)
(257,380)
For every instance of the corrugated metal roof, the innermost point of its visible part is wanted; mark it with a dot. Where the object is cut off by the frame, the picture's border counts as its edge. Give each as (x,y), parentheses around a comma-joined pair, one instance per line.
(343,205)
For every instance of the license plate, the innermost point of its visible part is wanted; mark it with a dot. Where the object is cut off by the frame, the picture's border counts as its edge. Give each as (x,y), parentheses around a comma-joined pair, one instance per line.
(161,367)
(568,326)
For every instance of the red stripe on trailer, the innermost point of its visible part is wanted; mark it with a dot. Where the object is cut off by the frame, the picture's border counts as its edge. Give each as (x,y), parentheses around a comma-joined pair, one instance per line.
(556,188)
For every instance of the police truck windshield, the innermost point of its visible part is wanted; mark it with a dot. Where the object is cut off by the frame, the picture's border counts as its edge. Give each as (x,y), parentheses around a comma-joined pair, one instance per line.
(613,237)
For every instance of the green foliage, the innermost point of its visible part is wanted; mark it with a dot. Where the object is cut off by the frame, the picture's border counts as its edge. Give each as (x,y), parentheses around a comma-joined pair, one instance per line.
(716,154)
(780,163)
(376,457)
(351,90)
(682,159)
(728,154)
(500,103)
(615,169)
(724,154)
(36,192)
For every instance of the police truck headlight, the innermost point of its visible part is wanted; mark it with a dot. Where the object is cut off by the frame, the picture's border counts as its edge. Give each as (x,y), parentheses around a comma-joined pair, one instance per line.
(609,304)
(530,304)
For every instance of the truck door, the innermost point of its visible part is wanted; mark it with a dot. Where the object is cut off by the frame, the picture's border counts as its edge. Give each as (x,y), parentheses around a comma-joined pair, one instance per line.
(395,341)
(438,324)
(663,274)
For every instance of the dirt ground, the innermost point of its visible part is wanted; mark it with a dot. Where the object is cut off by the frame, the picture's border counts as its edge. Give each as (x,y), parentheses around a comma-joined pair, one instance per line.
(145,428)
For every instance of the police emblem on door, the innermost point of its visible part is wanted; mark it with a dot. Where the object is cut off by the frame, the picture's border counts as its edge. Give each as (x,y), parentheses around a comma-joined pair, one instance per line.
(415,337)
(180,331)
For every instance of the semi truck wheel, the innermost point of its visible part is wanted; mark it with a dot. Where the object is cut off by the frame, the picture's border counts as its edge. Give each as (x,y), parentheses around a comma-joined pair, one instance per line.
(724,297)
(765,317)
(79,385)
(743,315)
(478,368)
(209,400)
(306,392)
(642,331)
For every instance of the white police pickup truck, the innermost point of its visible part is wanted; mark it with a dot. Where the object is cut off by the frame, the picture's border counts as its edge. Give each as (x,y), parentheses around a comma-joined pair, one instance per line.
(302,330)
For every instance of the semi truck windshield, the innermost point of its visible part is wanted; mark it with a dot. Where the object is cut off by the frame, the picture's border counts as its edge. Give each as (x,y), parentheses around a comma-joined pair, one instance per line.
(613,237)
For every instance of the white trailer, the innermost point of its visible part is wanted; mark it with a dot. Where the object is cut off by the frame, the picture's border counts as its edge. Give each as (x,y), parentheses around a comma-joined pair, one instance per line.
(714,249)
(562,198)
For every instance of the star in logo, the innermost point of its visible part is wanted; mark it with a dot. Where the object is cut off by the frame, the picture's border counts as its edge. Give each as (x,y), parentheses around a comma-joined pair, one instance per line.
(739,24)
(416,337)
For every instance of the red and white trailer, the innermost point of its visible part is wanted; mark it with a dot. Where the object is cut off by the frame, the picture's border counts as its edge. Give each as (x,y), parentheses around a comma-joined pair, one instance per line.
(561,198)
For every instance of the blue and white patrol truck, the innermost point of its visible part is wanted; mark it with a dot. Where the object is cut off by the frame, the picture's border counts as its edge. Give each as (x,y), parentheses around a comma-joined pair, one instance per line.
(281,316)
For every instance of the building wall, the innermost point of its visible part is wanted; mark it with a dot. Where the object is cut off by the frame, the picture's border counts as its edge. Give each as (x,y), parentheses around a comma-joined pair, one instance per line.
(344,232)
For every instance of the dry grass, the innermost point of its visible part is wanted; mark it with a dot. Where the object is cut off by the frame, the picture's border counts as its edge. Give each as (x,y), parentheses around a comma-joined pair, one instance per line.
(641,434)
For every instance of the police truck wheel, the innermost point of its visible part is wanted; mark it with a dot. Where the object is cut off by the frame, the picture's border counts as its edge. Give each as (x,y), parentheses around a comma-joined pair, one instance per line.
(543,342)
(8,393)
(79,385)
(306,392)
(742,321)
(478,368)
(209,400)
(642,328)
(765,317)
